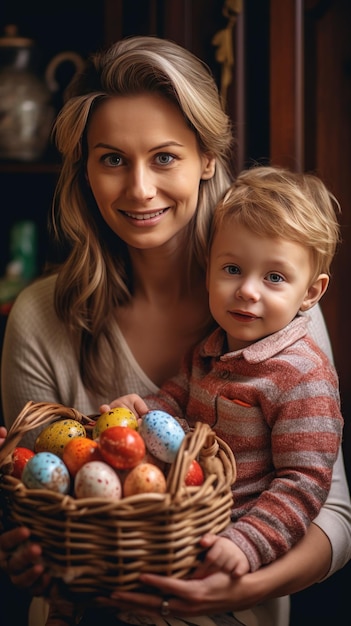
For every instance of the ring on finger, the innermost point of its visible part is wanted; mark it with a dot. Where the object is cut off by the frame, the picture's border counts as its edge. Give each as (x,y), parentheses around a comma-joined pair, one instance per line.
(165,610)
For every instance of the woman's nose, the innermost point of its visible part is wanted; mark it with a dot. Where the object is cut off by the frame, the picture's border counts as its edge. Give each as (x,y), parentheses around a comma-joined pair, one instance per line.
(140,183)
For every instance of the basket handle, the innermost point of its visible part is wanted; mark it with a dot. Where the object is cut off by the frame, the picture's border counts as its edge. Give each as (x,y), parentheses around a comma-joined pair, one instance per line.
(216,459)
(35,414)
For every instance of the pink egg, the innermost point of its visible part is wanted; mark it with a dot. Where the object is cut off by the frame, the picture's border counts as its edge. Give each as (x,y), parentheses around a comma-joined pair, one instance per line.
(96,479)
(144,478)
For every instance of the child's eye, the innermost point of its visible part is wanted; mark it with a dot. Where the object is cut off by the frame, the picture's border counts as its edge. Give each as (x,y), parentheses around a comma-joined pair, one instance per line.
(232,269)
(275,278)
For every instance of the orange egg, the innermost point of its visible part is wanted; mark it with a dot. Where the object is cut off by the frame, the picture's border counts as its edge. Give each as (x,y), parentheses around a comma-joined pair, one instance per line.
(195,475)
(20,457)
(144,478)
(122,447)
(79,451)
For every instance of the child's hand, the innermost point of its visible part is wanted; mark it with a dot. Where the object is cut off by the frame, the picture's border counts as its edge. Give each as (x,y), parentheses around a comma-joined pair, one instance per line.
(131,401)
(222,555)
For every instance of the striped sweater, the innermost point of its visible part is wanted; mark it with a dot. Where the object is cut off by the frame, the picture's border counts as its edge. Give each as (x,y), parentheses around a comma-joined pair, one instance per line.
(276,403)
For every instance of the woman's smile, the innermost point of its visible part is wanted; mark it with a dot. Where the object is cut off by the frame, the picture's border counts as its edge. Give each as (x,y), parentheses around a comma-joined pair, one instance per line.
(140,219)
(144,216)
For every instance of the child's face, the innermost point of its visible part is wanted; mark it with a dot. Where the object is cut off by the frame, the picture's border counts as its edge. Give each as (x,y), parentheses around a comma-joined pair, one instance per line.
(256,284)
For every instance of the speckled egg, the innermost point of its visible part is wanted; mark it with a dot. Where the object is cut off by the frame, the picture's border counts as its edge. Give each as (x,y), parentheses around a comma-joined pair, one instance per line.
(20,457)
(144,478)
(162,434)
(78,451)
(119,416)
(46,471)
(96,479)
(55,436)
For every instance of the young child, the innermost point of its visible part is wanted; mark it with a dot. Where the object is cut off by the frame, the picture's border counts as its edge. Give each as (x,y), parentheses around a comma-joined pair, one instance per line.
(258,379)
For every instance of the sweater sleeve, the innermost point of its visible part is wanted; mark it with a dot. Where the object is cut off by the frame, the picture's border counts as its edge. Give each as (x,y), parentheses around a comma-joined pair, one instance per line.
(305,438)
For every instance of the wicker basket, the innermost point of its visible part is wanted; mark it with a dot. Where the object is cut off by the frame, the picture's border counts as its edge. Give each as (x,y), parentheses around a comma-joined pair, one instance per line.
(97,545)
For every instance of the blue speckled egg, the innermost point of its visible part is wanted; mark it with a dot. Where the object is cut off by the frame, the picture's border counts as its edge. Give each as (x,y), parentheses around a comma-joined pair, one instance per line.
(46,471)
(162,434)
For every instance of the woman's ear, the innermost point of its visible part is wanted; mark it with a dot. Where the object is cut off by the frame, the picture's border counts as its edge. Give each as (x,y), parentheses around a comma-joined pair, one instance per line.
(315,292)
(209,167)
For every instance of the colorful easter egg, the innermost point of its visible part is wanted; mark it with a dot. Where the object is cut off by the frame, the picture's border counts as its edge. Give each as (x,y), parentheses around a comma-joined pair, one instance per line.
(20,456)
(122,447)
(78,451)
(55,436)
(46,471)
(97,479)
(144,478)
(195,475)
(118,416)
(162,434)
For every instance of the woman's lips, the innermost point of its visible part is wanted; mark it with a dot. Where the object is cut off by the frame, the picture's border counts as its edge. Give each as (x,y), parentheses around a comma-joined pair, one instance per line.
(144,216)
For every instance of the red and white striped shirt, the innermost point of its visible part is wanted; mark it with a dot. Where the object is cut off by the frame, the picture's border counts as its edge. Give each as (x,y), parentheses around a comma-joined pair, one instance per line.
(276,403)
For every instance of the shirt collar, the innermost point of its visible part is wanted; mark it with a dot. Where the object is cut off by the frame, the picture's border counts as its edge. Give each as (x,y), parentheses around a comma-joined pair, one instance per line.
(259,351)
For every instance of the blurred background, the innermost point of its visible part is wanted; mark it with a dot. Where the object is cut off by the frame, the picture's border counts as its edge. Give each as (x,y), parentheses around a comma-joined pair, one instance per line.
(284,71)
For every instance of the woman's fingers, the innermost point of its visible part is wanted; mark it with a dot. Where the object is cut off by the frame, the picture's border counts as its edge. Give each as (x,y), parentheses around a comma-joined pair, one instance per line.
(21,560)
(9,541)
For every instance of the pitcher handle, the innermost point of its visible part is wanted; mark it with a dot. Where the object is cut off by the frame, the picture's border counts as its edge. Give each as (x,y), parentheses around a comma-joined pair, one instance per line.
(50,72)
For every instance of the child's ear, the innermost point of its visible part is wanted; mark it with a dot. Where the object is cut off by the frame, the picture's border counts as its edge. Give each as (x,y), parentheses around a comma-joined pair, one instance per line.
(315,292)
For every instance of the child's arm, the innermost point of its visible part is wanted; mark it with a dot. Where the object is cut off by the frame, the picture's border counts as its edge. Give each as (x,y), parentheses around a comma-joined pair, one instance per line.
(222,555)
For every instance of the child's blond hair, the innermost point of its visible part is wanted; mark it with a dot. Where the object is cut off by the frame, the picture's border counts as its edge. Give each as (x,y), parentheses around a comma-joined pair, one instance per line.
(278,203)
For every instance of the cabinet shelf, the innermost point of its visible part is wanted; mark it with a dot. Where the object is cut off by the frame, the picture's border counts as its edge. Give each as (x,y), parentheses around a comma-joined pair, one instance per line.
(7,167)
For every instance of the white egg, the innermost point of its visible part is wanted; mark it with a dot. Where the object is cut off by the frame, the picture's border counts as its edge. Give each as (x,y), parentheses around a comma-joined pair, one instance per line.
(96,479)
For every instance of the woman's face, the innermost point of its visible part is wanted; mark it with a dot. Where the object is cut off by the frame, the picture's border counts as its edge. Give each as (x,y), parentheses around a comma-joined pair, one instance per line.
(144,168)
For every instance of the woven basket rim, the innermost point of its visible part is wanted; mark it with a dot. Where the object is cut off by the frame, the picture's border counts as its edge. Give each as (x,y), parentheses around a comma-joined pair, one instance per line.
(36,414)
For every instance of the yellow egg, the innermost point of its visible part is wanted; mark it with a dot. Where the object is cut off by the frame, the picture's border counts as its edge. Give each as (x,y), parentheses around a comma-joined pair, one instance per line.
(120,416)
(55,436)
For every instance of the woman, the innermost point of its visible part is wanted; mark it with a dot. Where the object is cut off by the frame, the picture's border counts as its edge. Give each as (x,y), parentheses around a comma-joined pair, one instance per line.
(145,148)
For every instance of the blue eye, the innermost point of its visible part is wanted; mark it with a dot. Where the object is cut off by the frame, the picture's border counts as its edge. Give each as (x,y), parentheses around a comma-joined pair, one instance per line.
(232,269)
(275,278)
(164,158)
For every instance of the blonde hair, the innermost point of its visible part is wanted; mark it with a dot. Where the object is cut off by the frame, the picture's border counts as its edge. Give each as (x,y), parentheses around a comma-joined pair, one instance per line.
(275,202)
(96,277)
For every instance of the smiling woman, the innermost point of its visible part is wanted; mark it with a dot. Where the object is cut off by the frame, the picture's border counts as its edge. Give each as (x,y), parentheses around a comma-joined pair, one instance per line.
(141,168)
(146,148)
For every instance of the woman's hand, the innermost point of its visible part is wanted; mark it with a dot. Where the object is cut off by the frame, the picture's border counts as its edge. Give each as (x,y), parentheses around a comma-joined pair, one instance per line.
(21,561)
(3,434)
(219,593)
